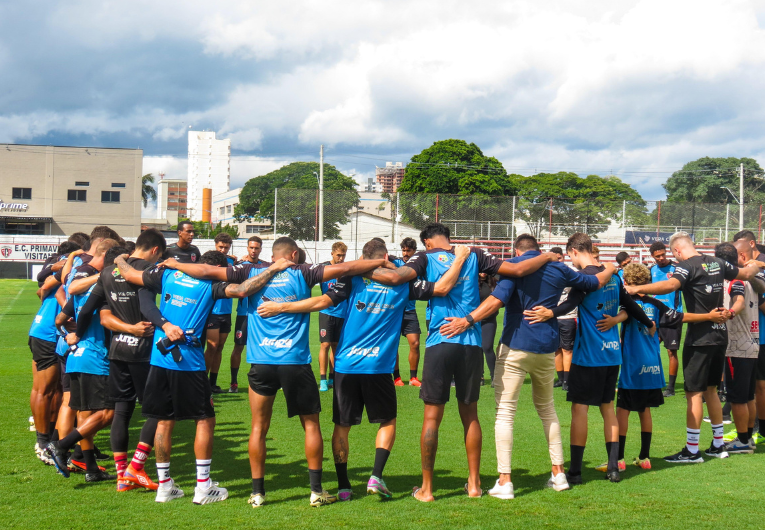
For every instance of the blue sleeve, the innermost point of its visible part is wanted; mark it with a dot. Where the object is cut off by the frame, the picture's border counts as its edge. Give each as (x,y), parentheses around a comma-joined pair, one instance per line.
(504,289)
(581,281)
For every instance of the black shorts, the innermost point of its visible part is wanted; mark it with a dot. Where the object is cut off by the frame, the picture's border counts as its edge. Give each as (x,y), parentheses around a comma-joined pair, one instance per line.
(330,328)
(353,392)
(43,353)
(66,380)
(670,337)
(410,324)
(240,330)
(219,322)
(567,328)
(761,364)
(297,381)
(740,380)
(702,367)
(637,400)
(447,361)
(177,395)
(127,381)
(592,385)
(90,392)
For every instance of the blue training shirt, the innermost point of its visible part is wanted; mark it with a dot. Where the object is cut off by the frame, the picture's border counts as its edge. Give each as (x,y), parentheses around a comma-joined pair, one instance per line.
(92,353)
(224,306)
(369,339)
(186,303)
(462,299)
(281,339)
(333,311)
(659,274)
(412,304)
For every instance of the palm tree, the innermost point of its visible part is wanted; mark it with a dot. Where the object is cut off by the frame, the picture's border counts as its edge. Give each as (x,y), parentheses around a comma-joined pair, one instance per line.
(148,193)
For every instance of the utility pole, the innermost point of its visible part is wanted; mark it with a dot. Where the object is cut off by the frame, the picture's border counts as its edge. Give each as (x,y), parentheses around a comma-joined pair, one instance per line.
(321,193)
(741,194)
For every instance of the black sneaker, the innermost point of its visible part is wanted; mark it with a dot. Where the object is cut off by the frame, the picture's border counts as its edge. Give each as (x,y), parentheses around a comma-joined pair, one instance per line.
(723,397)
(574,480)
(565,386)
(668,393)
(558,384)
(233,389)
(217,390)
(99,455)
(99,476)
(717,452)
(684,457)
(59,458)
(613,476)
(727,420)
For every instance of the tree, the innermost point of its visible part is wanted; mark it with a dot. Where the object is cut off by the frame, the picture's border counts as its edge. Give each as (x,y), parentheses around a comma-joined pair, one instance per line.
(148,193)
(202,229)
(297,208)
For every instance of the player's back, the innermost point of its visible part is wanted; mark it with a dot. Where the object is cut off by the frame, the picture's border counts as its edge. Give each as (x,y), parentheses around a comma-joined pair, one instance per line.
(591,347)
(91,355)
(641,359)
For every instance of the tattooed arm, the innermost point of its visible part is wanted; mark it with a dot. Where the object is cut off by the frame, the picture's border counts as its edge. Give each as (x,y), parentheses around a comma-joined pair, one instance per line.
(255,283)
(127,271)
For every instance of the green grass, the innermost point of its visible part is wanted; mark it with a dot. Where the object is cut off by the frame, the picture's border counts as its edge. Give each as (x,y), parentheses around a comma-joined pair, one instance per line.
(709,495)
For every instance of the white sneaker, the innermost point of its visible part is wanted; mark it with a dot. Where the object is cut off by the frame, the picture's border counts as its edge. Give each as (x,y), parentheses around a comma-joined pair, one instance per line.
(211,494)
(168,491)
(32,424)
(256,499)
(558,482)
(322,499)
(42,455)
(502,492)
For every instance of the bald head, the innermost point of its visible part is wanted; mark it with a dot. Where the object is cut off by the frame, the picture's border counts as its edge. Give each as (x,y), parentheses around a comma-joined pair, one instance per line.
(745,251)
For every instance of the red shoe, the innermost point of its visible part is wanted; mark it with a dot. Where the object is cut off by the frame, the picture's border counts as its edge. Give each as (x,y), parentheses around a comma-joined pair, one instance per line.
(415,382)
(398,382)
(124,485)
(140,478)
(79,466)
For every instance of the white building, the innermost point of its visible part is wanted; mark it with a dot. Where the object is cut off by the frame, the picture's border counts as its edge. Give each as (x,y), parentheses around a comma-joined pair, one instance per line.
(209,167)
(223,206)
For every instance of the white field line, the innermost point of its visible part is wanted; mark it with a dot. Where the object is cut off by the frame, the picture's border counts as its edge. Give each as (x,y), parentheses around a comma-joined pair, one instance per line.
(12,302)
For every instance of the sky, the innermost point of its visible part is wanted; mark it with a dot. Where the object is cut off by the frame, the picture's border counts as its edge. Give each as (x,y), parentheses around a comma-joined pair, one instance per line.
(635,88)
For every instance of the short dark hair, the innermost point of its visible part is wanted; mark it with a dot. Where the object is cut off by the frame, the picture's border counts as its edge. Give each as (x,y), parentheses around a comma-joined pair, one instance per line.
(579,242)
(184,223)
(104,232)
(408,242)
(525,242)
(434,229)
(224,237)
(621,257)
(374,249)
(150,238)
(747,235)
(129,246)
(67,247)
(112,254)
(727,252)
(80,239)
(759,247)
(214,257)
(657,245)
(285,242)
(301,256)
(256,239)
(557,250)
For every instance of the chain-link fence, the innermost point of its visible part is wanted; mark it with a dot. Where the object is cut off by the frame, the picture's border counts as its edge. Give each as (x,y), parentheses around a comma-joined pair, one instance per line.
(353,216)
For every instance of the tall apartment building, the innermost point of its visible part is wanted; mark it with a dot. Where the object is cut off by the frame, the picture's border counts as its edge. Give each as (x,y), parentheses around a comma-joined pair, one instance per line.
(172,199)
(390,176)
(209,167)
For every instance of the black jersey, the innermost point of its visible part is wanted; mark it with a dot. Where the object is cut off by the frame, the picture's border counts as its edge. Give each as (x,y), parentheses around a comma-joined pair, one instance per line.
(182,255)
(702,282)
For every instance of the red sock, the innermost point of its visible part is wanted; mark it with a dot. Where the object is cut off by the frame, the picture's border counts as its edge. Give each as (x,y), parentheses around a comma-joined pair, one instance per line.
(140,456)
(120,461)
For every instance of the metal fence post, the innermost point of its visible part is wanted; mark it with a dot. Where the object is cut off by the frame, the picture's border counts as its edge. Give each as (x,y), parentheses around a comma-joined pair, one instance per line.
(512,223)
(276,196)
(658,220)
(395,221)
(437,208)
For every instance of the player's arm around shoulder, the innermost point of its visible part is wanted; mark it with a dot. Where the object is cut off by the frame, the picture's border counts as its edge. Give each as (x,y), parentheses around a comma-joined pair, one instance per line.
(449,279)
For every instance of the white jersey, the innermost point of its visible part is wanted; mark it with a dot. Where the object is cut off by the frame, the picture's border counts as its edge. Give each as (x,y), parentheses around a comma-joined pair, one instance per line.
(574,312)
(743,329)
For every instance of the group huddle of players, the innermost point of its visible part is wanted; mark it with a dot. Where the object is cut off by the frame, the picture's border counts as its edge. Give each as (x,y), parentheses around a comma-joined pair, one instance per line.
(100,344)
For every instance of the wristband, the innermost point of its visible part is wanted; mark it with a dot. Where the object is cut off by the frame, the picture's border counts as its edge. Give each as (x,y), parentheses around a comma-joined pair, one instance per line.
(470,319)
(732,313)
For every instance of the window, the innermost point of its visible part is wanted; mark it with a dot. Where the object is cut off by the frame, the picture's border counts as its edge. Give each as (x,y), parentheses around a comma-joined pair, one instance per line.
(222,210)
(228,208)
(252,229)
(118,184)
(110,196)
(80,183)
(77,195)
(22,193)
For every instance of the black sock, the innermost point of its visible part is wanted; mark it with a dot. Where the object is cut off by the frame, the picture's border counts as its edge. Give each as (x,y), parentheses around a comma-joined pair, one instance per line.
(314,475)
(322,377)
(577,455)
(727,408)
(412,374)
(43,439)
(70,439)
(213,379)
(342,476)
(560,375)
(331,375)
(671,385)
(89,456)
(645,445)
(612,448)
(234,376)
(54,435)
(259,486)
(77,453)
(757,425)
(396,373)
(565,376)
(743,437)
(381,457)
(622,443)
(750,432)
(52,428)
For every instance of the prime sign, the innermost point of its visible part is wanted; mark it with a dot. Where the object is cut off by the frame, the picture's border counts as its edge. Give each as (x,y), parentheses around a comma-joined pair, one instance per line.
(13,206)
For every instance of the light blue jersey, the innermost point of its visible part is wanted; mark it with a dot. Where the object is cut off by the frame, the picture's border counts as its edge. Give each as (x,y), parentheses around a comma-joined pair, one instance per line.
(92,353)
(671,300)
(224,306)
(333,311)
(592,347)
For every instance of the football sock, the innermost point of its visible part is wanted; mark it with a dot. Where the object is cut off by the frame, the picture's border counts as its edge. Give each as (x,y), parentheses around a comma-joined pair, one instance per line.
(577,455)
(258,486)
(52,429)
(565,376)
(396,373)
(560,375)
(671,385)
(120,462)
(645,444)
(203,473)
(234,376)
(622,443)
(77,453)
(140,456)
(54,435)
(342,476)
(43,439)
(163,473)
(314,476)
(717,433)
(612,448)
(322,377)
(412,374)
(749,433)
(213,379)
(692,440)
(331,375)
(89,456)
(743,437)
(70,439)
(381,457)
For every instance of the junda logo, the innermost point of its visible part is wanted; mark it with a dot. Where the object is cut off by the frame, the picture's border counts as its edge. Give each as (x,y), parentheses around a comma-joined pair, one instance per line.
(276,343)
(610,345)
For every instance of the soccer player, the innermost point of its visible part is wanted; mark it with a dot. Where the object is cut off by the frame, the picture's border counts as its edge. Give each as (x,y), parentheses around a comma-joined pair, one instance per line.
(701,279)
(567,333)
(278,351)
(177,387)
(459,357)
(410,326)
(664,269)
(183,251)
(219,322)
(129,355)
(486,285)
(527,347)
(366,353)
(622,259)
(330,324)
(254,248)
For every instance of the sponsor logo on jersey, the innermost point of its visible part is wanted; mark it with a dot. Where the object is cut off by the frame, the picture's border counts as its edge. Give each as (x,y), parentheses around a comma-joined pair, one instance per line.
(38,319)
(115,272)
(360,305)
(610,345)
(653,370)
(113,296)
(708,288)
(443,258)
(365,352)
(276,343)
(177,274)
(193,257)
(127,339)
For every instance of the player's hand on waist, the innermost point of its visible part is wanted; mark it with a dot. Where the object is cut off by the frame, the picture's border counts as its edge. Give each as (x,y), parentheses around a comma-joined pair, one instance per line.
(172,331)
(454,326)
(143,329)
(538,314)
(72,339)
(269,309)
(606,323)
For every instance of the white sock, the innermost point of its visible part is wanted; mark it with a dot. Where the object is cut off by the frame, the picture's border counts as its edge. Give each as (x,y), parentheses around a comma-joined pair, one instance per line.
(203,473)
(717,433)
(163,473)
(692,440)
